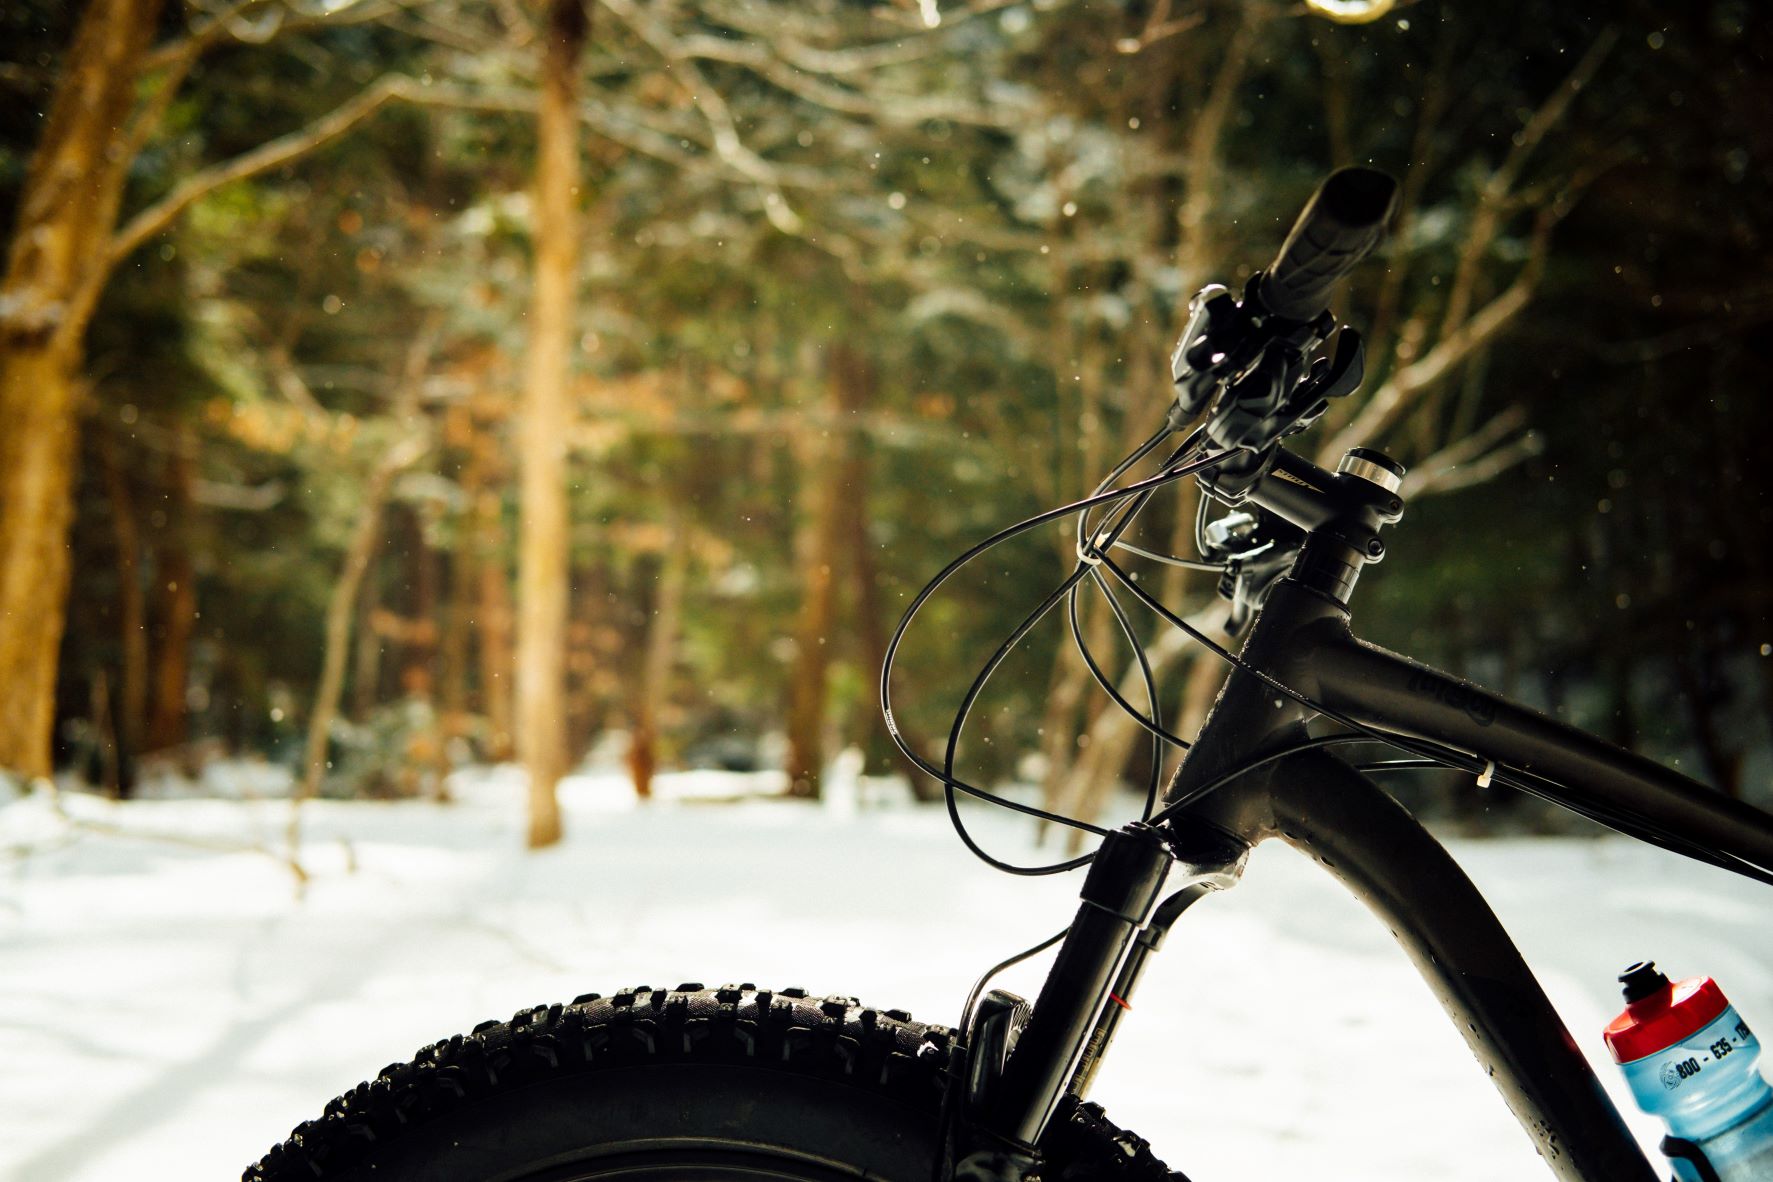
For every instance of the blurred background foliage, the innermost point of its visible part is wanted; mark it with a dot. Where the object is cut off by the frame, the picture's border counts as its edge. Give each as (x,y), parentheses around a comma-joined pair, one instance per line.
(862,282)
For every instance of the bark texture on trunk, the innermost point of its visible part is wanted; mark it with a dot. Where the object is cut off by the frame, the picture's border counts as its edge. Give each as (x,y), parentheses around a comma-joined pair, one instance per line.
(55,268)
(542,544)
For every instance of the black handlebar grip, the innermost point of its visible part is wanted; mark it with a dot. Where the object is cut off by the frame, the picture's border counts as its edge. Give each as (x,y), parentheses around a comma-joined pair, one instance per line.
(1341,224)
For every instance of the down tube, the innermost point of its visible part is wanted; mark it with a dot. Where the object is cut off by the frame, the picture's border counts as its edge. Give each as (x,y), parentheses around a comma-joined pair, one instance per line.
(1379,852)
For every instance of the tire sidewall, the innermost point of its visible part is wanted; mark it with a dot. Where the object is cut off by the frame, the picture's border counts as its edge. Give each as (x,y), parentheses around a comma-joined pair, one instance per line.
(564,1128)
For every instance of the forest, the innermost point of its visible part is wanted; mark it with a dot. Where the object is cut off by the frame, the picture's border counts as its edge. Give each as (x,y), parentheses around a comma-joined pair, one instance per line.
(388,386)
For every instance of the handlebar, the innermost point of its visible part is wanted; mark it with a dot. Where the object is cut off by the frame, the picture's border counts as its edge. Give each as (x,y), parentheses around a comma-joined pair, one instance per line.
(1341,224)
(1247,364)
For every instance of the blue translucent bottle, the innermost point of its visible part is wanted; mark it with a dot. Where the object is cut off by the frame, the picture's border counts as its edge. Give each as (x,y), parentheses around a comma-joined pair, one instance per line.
(1691,1060)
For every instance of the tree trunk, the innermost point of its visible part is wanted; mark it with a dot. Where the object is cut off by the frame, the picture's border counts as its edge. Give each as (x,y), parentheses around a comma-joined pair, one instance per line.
(821,540)
(1059,731)
(366,667)
(493,579)
(340,607)
(588,650)
(453,656)
(37,397)
(661,647)
(346,599)
(55,267)
(104,725)
(419,655)
(542,547)
(175,591)
(871,617)
(132,618)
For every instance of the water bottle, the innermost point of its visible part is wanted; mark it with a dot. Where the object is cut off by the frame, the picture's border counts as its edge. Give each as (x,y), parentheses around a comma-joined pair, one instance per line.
(1691,1060)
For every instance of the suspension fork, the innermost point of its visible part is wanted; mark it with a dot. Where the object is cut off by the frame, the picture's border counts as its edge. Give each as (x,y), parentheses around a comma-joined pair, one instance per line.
(1119,923)
(1069,1028)
(1117,900)
(1120,998)
(1113,933)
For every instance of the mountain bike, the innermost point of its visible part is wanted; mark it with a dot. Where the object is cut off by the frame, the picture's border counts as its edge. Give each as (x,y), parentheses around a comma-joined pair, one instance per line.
(743,1082)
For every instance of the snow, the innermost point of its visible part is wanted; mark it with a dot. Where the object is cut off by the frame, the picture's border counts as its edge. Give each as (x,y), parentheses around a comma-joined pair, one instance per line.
(169,1008)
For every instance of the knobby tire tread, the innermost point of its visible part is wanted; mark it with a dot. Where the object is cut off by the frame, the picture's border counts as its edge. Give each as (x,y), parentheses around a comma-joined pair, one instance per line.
(881,1052)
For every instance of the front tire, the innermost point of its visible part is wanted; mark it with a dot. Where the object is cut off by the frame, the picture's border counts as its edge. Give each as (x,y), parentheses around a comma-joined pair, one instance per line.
(689,1084)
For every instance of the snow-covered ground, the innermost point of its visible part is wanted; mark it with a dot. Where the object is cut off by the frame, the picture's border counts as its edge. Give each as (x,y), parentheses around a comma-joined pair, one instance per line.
(169,1010)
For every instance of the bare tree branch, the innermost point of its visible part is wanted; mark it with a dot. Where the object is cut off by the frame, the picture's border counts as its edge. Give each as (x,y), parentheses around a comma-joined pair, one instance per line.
(335,123)
(1159,26)
(793,28)
(230,23)
(158,216)
(1552,110)
(1398,394)
(1203,148)
(708,101)
(1442,478)
(1416,174)
(1396,397)
(206,33)
(1474,443)
(1391,400)
(420,28)
(405,451)
(880,107)
(1493,201)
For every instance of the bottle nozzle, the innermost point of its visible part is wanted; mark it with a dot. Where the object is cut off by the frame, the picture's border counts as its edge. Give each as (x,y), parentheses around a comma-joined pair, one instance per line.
(1642,980)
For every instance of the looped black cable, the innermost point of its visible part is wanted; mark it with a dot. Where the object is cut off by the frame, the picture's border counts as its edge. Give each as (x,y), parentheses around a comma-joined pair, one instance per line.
(1154,727)
(1154,724)
(945,775)
(1093,542)
(1126,510)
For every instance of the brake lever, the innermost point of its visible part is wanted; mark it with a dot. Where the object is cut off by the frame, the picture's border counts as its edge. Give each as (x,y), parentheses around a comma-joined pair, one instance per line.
(1336,378)
(1253,375)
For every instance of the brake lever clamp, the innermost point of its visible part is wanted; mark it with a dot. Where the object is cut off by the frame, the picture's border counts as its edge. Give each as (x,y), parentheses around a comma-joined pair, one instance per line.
(1253,376)
(1248,579)
(1256,549)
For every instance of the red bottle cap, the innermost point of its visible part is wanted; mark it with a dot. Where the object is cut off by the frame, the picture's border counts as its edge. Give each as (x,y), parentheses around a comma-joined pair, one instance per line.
(1659,1014)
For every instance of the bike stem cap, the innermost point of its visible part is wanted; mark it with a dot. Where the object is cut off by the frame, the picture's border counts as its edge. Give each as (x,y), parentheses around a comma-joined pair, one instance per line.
(1659,1014)
(1375,467)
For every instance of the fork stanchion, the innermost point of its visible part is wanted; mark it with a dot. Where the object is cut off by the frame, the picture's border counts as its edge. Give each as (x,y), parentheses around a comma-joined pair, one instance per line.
(1149,940)
(1118,896)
